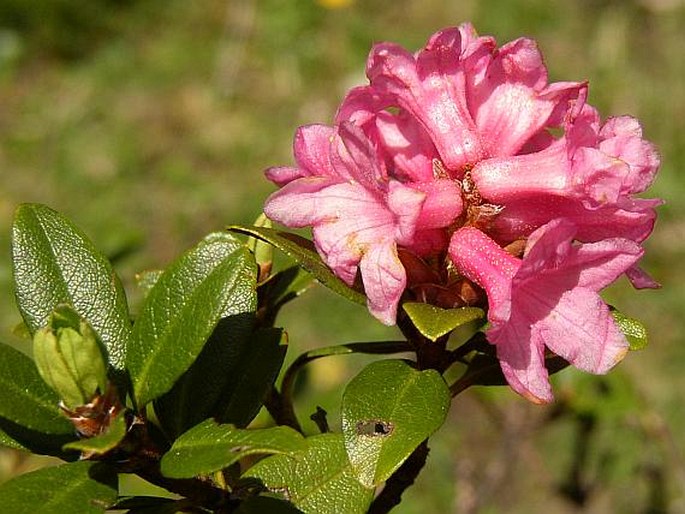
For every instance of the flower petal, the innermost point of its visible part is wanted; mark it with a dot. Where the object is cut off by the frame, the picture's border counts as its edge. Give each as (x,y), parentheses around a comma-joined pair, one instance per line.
(432,88)
(581,329)
(522,359)
(408,145)
(384,280)
(484,262)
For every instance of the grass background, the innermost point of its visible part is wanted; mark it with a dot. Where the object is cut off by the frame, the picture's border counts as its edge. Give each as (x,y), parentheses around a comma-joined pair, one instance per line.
(149,123)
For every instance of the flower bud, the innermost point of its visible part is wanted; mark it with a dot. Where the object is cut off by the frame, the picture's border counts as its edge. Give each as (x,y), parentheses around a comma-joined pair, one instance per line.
(69,357)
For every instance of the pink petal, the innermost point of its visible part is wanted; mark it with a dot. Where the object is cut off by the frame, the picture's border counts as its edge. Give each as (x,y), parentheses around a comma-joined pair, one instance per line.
(502,180)
(305,202)
(580,328)
(311,146)
(406,203)
(281,175)
(513,102)
(431,88)
(621,138)
(443,203)
(360,106)
(640,279)
(408,145)
(632,220)
(594,265)
(384,281)
(522,360)
(484,262)
(356,154)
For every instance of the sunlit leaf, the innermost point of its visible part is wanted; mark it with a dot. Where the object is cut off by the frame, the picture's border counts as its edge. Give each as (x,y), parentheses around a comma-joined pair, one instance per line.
(85,487)
(318,481)
(634,330)
(207,283)
(434,322)
(146,280)
(387,411)
(210,447)
(55,263)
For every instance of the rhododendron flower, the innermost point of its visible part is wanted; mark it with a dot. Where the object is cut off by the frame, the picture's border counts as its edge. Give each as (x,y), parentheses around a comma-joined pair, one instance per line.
(548,299)
(448,164)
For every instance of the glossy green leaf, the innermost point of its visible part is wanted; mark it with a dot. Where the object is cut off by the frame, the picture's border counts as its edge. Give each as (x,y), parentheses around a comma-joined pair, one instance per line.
(267,505)
(85,487)
(434,322)
(302,251)
(253,375)
(209,447)
(29,410)
(635,331)
(150,505)
(319,481)
(207,283)
(196,395)
(101,444)
(146,280)
(55,263)
(388,409)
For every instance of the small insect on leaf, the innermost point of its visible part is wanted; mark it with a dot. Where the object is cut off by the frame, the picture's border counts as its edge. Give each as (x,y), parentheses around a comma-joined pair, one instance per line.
(375,428)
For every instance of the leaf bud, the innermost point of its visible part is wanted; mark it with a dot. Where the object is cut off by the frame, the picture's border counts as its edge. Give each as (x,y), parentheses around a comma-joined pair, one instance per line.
(69,357)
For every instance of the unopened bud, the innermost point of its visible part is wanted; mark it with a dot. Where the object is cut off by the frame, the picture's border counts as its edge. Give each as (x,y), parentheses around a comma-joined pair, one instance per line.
(69,357)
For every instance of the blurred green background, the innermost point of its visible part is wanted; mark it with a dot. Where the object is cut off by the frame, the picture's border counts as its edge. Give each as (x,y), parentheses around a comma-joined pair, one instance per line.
(149,123)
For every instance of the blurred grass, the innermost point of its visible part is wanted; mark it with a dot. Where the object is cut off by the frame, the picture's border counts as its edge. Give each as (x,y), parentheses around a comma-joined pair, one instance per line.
(149,124)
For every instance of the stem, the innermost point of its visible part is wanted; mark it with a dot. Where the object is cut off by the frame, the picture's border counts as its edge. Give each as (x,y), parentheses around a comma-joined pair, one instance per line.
(400,480)
(287,411)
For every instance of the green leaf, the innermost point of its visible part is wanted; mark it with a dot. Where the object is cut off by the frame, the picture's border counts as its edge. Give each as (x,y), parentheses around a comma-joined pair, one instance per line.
(194,396)
(434,322)
(146,280)
(150,505)
(207,283)
(55,263)
(29,410)
(209,447)
(252,376)
(303,252)
(85,487)
(267,505)
(318,481)
(101,444)
(635,331)
(387,411)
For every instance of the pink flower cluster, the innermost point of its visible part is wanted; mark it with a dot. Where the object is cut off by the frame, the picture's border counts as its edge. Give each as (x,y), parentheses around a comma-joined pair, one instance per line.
(460,176)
